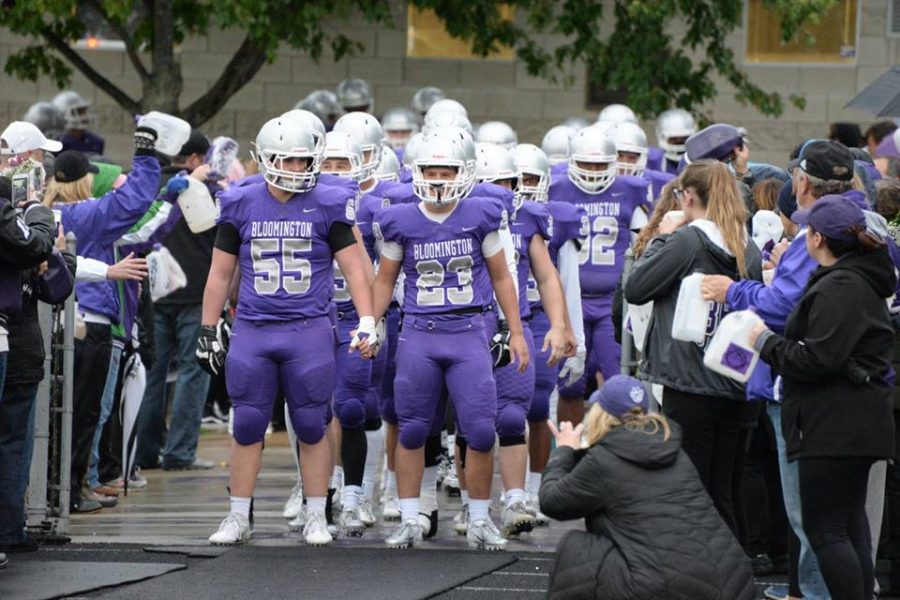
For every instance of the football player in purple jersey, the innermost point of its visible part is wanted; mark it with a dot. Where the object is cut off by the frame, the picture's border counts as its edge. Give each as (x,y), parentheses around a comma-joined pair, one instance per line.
(283,234)
(631,148)
(615,205)
(673,128)
(444,244)
(570,227)
(530,228)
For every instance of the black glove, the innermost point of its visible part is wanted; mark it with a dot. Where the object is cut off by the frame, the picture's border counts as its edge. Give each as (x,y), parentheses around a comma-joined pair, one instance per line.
(144,141)
(210,352)
(499,346)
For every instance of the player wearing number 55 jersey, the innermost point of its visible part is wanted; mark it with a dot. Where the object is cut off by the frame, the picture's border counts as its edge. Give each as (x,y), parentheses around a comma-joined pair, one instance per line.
(614,206)
(444,244)
(283,233)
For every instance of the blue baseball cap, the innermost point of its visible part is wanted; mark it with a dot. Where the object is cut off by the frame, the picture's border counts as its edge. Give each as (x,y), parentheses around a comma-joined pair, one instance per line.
(832,216)
(620,395)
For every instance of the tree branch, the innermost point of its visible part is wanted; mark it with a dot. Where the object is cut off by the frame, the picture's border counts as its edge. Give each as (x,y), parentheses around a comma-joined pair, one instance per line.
(61,46)
(244,64)
(123,33)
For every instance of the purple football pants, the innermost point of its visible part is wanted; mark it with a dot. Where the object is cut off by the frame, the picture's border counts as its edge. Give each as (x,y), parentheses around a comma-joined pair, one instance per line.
(514,390)
(603,353)
(445,352)
(545,376)
(353,378)
(291,355)
(386,404)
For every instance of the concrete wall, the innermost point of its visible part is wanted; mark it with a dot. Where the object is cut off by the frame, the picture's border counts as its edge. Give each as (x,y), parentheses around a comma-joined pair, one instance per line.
(489,89)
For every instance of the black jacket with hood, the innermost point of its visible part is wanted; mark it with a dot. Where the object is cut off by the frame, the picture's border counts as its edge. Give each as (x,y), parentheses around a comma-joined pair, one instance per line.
(652,530)
(657,276)
(835,359)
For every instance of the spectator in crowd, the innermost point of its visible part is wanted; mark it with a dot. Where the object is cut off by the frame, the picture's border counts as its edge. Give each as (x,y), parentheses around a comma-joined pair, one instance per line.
(709,407)
(847,134)
(888,204)
(176,326)
(652,530)
(836,366)
(25,243)
(876,133)
(765,194)
(98,224)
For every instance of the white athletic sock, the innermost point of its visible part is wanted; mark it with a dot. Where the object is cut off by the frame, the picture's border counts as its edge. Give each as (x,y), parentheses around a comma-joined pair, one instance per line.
(451,445)
(534,483)
(464,496)
(515,495)
(337,477)
(315,505)
(428,491)
(390,487)
(478,509)
(375,443)
(241,506)
(351,496)
(409,509)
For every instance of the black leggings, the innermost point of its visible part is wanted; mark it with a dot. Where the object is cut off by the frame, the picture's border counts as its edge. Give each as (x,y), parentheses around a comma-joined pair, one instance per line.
(833,504)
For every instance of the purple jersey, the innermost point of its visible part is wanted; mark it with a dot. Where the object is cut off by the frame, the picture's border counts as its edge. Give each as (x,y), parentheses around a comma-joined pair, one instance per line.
(570,222)
(657,161)
(89,143)
(602,257)
(657,180)
(285,259)
(531,219)
(384,195)
(442,262)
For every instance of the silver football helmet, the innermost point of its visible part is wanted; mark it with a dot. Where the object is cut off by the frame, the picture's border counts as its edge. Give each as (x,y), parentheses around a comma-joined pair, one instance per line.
(630,139)
(497,132)
(47,118)
(592,145)
(673,128)
(442,151)
(321,103)
(399,124)
(339,144)
(367,131)
(310,120)
(280,140)
(424,98)
(75,109)
(531,161)
(576,123)
(617,113)
(389,167)
(494,163)
(355,94)
(446,105)
(556,144)
(412,148)
(442,120)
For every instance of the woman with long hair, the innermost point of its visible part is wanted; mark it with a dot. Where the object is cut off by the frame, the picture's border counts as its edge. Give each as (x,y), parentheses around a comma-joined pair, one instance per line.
(711,238)
(652,531)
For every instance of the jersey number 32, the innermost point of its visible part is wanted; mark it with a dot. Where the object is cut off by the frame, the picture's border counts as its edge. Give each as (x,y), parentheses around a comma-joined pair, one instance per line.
(600,242)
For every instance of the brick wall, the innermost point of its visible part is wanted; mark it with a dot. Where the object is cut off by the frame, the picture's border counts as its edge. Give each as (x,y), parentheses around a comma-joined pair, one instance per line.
(489,89)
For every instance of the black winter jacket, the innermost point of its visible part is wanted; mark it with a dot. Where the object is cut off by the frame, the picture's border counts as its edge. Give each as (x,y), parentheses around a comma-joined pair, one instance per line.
(837,396)
(657,276)
(652,530)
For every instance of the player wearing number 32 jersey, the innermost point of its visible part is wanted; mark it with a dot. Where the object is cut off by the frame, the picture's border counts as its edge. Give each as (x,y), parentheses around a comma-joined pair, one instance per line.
(283,234)
(614,206)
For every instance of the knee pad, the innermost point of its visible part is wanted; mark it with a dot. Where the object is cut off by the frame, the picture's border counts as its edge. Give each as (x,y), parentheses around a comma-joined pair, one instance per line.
(432,450)
(250,425)
(480,437)
(511,421)
(351,412)
(310,423)
(388,412)
(540,409)
(413,434)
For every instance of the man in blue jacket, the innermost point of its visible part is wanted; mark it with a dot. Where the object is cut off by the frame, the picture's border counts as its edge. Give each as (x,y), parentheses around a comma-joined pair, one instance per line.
(823,167)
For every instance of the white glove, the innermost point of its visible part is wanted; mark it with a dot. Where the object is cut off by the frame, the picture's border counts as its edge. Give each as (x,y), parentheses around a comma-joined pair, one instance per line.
(573,368)
(367,330)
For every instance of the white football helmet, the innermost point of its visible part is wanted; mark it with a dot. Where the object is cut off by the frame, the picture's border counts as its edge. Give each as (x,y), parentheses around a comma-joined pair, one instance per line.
(617,113)
(355,94)
(630,138)
(442,151)
(284,138)
(556,143)
(75,109)
(339,144)
(367,131)
(494,163)
(399,124)
(310,120)
(47,118)
(424,98)
(592,145)
(531,160)
(323,104)
(389,167)
(446,105)
(497,132)
(443,120)
(466,141)
(576,123)
(673,128)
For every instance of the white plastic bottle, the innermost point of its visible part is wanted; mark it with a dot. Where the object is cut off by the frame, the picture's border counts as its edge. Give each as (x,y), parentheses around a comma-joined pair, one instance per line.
(691,311)
(199,208)
(171,132)
(730,352)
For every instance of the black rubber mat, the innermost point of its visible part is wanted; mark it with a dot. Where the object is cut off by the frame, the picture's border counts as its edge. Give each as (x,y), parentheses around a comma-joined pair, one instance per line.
(192,551)
(38,580)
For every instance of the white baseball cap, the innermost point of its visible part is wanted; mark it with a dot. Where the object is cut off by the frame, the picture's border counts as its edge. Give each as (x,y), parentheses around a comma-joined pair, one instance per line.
(21,136)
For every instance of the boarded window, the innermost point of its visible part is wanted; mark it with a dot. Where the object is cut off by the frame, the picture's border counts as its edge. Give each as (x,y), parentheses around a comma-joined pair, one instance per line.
(426,37)
(834,34)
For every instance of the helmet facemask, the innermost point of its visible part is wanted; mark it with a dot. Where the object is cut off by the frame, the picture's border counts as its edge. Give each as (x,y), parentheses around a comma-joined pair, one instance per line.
(590,181)
(271,164)
(441,192)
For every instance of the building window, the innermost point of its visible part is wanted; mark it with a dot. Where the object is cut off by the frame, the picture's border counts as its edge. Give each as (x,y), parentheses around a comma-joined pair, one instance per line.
(426,37)
(835,36)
